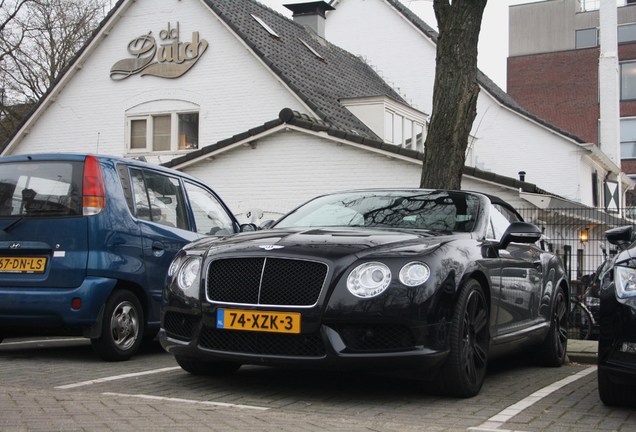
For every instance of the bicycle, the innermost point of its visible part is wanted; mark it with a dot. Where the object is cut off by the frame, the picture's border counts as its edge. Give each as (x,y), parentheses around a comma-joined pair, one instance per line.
(580,320)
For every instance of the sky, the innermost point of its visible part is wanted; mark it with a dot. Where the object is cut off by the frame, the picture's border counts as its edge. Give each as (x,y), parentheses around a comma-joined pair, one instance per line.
(493,39)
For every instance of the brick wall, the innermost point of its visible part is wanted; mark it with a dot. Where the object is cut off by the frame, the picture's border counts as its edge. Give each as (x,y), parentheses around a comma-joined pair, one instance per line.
(559,87)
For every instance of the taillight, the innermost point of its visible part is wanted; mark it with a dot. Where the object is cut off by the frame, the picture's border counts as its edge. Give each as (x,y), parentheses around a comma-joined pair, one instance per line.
(93,190)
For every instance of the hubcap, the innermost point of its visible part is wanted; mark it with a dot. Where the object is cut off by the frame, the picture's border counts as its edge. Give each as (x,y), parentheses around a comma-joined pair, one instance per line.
(124,325)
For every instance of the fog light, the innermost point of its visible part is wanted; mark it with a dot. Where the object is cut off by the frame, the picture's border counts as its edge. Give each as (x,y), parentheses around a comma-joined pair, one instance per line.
(629,347)
(76,303)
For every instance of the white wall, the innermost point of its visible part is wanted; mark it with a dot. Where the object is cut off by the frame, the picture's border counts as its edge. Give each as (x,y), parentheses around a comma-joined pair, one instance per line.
(506,143)
(290,167)
(389,44)
(234,91)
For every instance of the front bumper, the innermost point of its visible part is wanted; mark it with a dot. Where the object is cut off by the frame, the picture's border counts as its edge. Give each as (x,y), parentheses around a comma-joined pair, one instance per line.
(336,345)
(617,339)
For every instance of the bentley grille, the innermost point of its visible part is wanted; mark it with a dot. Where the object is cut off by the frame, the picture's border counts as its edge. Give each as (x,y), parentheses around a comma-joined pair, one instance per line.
(265,281)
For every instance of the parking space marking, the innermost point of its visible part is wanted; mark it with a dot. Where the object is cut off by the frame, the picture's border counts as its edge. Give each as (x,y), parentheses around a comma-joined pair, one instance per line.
(189,401)
(496,421)
(41,342)
(116,377)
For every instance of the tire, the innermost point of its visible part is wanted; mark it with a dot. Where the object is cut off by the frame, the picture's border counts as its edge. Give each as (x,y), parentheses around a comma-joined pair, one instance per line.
(122,327)
(553,351)
(463,373)
(207,368)
(609,396)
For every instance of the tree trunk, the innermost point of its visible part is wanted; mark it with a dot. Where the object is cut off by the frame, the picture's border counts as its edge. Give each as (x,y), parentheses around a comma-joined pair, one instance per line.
(454,94)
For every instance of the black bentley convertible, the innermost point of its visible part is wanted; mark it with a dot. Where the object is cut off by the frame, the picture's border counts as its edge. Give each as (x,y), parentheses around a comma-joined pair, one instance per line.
(432,281)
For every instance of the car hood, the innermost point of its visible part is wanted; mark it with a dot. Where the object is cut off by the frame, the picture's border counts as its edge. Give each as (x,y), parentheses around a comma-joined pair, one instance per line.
(326,243)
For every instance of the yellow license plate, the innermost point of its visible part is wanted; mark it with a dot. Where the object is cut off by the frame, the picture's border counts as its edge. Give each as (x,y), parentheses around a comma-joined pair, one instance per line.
(252,320)
(22,264)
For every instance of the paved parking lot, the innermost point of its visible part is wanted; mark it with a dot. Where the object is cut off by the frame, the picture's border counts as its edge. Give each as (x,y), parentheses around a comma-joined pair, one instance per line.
(56,385)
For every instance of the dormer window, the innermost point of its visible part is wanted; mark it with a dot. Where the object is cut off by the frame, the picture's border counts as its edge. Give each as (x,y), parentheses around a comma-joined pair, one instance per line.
(394,122)
(403,131)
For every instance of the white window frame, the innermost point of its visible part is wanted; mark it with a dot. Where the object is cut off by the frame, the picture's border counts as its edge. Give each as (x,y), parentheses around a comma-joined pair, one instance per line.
(626,140)
(400,121)
(622,66)
(149,118)
(580,45)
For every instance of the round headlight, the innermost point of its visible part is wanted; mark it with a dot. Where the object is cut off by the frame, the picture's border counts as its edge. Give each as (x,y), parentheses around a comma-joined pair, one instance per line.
(369,279)
(414,274)
(174,265)
(189,275)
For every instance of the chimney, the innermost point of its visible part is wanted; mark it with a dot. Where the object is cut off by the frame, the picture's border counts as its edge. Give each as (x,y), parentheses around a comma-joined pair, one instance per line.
(522,176)
(311,14)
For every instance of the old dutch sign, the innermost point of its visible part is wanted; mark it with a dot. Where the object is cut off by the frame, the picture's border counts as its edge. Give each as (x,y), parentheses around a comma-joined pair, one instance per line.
(170,59)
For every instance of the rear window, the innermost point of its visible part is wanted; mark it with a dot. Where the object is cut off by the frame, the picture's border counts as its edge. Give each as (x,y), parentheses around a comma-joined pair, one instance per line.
(50,188)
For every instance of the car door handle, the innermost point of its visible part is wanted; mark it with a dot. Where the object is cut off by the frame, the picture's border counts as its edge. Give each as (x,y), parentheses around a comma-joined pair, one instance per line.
(158,249)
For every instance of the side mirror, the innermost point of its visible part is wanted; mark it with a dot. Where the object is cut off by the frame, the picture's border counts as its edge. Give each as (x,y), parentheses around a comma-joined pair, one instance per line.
(249,227)
(520,232)
(621,236)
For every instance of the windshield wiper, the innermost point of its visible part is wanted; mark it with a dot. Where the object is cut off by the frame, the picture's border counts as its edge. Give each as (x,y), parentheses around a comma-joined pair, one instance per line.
(12,224)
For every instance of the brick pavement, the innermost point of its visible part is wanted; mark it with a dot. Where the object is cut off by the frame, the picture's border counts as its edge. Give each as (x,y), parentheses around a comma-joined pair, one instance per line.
(296,400)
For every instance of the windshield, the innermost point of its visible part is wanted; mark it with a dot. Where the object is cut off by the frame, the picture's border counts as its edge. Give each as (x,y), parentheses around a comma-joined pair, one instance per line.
(416,210)
(40,188)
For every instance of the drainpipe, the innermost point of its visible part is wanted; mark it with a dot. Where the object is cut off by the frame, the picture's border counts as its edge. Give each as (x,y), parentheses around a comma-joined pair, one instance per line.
(609,87)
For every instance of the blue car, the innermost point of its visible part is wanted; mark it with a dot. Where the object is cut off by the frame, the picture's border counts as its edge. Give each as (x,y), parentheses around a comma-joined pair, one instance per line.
(86,242)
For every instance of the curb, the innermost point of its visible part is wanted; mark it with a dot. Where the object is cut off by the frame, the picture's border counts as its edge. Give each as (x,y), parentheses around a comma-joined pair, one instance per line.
(583,358)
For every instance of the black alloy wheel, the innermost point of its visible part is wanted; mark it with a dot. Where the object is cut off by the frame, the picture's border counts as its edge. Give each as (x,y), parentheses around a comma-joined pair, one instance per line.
(554,348)
(463,373)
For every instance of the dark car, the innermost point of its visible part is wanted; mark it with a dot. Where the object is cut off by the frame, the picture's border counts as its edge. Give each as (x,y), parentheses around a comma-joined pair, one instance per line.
(617,323)
(431,281)
(86,242)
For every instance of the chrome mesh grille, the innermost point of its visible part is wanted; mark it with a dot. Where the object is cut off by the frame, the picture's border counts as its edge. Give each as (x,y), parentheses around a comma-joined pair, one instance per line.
(180,326)
(296,345)
(265,281)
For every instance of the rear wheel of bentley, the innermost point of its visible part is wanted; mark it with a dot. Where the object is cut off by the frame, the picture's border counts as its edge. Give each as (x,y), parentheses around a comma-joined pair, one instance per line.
(553,350)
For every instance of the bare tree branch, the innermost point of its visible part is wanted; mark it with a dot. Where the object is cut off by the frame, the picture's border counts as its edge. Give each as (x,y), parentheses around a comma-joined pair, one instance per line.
(51,33)
(10,39)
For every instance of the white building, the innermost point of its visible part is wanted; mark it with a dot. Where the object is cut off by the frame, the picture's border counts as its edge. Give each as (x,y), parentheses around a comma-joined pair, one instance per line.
(507,139)
(199,85)
(270,114)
